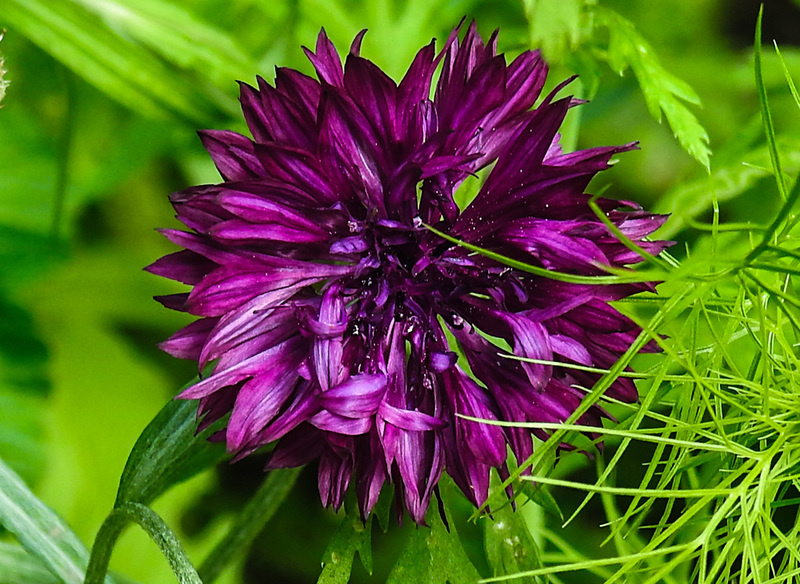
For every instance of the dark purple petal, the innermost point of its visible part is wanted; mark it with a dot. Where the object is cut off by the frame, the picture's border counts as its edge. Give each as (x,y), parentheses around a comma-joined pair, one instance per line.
(301,89)
(350,145)
(297,168)
(232,153)
(246,369)
(531,340)
(327,310)
(273,117)
(298,447)
(375,94)
(184,266)
(301,408)
(326,61)
(371,472)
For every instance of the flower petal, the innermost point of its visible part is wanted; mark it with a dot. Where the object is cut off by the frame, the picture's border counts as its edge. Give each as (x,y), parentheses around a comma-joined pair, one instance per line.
(357,397)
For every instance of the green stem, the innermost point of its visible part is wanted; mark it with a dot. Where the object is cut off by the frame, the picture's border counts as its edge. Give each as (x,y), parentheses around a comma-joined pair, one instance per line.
(789,199)
(250,522)
(158,531)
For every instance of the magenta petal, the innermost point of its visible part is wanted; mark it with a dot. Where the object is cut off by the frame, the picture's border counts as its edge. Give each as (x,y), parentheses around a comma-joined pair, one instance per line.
(485,441)
(236,230)
(409,419)
(188,342)
(258,209)
(301,408)
(357,397)
(420,462)
(532,340)
(258,402)
(571,349)
(442,361)
(331,422)
(335,471)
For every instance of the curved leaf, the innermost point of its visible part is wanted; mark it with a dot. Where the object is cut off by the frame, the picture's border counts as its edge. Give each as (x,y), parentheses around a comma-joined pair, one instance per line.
(40,530)
(168,451)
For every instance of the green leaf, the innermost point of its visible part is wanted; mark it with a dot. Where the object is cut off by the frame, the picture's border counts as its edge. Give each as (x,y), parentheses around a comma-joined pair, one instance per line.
(120,66)
(510,548)
(251,521)
(449,561)
(18,567)
(21,432)
(351,537)
(434,555)
(23,254)
(414,564)
(40,530)
(173,32)
(556,26)
(542,496)
(663,92)
(168,451)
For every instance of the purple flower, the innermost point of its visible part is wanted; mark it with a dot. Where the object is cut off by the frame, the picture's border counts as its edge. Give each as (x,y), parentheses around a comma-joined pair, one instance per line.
(334,318)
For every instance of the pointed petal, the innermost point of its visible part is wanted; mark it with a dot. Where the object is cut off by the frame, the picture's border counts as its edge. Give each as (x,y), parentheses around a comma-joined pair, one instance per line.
(326,61)
(232,153)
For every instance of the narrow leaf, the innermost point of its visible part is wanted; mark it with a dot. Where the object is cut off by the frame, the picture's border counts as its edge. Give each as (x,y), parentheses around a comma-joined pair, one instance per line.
(351,537)
(40,530)
(85,44)
(690,200)
(3,82)
(542,497)
(250,522)
(766,113)
(168,451)
(174,33)
(18,567)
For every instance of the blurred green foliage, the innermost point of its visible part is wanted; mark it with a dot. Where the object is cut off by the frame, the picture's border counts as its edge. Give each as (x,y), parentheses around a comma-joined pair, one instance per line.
(97,126)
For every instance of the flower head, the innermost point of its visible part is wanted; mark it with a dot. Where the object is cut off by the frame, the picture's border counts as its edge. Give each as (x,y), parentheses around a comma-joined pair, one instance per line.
(333,316)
